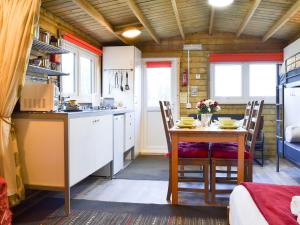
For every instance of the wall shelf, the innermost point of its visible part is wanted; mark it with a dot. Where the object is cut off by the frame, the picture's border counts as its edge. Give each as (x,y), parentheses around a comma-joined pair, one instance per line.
(41,70)
(46,48)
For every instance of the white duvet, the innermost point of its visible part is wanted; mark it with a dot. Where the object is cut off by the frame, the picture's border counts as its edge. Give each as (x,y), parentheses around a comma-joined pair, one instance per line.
(243,210)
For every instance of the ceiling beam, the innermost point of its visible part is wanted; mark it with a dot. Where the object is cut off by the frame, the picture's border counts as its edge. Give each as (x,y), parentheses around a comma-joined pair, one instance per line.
(211,21)
(248,17)
(175,10)
(138,13)
(89,9)
(52,23)
(283,20)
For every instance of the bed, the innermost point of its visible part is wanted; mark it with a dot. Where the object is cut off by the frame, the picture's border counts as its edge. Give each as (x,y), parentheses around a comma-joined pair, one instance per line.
(262,204)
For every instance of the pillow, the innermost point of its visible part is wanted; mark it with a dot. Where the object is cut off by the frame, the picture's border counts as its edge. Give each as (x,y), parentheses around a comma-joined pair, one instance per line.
(292,134)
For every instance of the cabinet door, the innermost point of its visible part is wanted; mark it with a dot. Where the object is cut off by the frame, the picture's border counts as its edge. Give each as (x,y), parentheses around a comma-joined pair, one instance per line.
(90,145)
(81,154)
(118,57)
(103,140)
(129,131)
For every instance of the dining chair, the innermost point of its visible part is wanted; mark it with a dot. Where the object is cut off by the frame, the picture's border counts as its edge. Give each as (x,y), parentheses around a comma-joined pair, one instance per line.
(189,154)
(245,125)
(227,155)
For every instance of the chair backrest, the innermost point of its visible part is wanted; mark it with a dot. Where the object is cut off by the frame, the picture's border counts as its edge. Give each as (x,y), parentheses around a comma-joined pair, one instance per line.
(254,125)
(247,114)
(167,117)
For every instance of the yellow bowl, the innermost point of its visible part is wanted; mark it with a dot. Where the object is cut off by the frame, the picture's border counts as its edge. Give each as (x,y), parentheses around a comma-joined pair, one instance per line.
(228,122)
(187,120)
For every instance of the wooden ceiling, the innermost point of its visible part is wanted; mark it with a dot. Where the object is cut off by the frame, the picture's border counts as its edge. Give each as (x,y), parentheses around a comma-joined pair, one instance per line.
(102,19)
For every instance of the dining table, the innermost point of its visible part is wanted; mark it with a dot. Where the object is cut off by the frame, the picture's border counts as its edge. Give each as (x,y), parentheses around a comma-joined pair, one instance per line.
(210,134)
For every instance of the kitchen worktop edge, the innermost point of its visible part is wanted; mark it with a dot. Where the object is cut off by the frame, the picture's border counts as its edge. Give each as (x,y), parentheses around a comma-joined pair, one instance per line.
(68,115)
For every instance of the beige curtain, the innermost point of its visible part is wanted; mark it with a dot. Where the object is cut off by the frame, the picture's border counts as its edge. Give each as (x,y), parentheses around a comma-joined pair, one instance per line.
(18,19)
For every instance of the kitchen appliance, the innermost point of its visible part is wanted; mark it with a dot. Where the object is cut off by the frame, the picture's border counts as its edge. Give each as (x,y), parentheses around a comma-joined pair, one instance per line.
(108,103)
(119,144)
(39,97)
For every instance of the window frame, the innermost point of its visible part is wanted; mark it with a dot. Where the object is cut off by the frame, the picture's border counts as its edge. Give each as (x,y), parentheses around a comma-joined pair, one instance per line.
(95,85)
(245,85)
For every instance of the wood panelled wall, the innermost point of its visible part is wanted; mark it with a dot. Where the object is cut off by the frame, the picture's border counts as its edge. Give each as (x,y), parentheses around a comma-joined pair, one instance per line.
(219,43)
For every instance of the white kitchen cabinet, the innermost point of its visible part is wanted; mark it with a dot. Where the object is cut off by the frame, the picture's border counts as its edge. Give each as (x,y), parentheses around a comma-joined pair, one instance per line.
(119,146)
(129,131)
(90,145)
(118,57)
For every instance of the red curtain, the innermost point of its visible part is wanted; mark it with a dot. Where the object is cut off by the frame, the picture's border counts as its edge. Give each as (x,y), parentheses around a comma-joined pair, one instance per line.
(159,64)
(75,40)
(247,57)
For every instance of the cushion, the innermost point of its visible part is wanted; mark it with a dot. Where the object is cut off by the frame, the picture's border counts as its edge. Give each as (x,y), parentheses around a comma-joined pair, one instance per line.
(192,151)
(193,144)
(223,144)
(292,134)
(228,153)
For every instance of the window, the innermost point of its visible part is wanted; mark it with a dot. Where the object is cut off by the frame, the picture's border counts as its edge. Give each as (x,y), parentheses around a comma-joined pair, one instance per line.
(68,66)
(82,66)
(158,85)
(262,80)
(227,76)
(241,82)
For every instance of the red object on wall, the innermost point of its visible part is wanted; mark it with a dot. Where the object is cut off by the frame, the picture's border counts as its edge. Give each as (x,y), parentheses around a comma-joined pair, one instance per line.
(5,213)
(83,44)
(246,57)
(159,64)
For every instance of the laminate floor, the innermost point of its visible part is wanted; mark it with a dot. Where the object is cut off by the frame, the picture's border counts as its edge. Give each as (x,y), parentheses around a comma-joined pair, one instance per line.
(151,191)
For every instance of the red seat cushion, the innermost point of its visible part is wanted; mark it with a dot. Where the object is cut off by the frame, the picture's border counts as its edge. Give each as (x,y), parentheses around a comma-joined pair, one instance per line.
(223,144)
(193,144)
(228,153)
(188,150)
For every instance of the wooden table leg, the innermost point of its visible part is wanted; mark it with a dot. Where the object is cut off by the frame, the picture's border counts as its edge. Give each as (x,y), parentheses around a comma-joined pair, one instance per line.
(174,169)
(67,201)
(241,149)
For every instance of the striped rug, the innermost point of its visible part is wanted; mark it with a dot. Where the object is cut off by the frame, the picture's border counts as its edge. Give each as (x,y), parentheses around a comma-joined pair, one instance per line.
(50,211)
(89,217)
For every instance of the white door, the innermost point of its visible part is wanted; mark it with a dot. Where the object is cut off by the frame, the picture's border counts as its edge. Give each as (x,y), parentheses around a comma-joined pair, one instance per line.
(160,78)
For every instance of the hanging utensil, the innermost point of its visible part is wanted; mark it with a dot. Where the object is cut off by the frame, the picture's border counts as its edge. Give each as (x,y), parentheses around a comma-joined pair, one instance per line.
(116,80)
(121,87)
(126,85)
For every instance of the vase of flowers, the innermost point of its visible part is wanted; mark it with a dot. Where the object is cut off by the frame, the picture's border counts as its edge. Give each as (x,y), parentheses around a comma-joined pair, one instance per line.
(206,108)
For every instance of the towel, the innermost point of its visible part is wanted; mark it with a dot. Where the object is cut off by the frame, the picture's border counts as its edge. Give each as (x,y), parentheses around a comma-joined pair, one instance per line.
(292,134)
(295,207)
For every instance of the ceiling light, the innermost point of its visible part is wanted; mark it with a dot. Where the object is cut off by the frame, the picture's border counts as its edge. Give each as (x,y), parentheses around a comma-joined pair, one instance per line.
(220,3)
(131,33)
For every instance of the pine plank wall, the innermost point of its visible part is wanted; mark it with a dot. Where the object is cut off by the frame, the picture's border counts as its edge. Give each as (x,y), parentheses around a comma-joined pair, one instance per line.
(218,43)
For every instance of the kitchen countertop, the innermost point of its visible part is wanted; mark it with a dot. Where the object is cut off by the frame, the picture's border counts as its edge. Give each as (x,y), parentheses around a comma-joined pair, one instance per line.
(68,115)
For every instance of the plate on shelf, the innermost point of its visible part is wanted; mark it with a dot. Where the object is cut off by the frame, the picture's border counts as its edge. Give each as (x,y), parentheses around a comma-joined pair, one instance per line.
(234,126)
(181,125)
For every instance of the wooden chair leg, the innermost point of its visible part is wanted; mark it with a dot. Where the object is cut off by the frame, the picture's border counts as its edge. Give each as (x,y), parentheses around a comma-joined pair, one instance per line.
(250,173)
(170,182)
(228,172)
(213,181)
(206,182)
(181,169)
(262,157)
